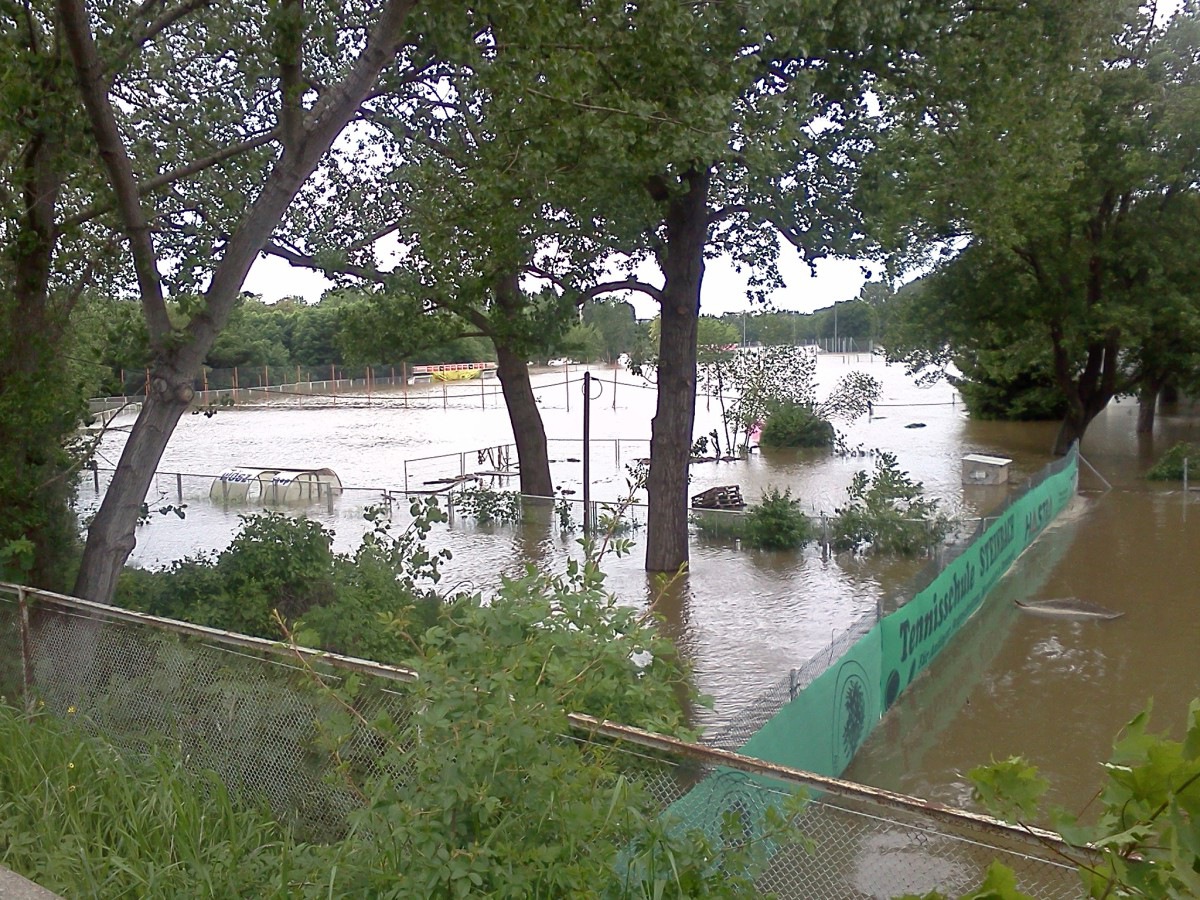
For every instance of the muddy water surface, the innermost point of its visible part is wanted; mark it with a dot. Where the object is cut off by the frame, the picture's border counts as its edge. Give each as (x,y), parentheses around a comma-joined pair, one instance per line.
(1054,691)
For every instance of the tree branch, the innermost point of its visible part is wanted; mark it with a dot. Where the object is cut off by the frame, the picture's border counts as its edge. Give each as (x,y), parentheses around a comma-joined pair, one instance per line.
(32,28)
(325,121)
(606,287)
(93,87)
(305,261)
(289,52)
(379,235)
(628,284)
(85,278)
(402,129)
(138,38)
(788,232)
(152,184)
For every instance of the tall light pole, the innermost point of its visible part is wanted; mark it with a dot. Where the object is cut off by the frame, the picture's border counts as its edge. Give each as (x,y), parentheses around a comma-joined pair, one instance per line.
(743,329)
(835,340)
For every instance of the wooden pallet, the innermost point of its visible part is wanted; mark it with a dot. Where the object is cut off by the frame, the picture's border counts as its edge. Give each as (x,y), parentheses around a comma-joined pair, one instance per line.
(725,497)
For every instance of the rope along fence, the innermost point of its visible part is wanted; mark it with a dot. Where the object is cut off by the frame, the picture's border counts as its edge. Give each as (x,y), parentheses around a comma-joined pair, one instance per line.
(254,712)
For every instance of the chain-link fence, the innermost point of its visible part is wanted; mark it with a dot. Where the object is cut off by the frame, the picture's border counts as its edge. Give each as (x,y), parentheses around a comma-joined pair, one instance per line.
(335,385)
(259,713)
(245,708)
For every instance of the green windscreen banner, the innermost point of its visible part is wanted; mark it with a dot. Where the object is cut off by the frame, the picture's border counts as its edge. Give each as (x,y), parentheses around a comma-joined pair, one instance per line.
(914,634)
(823,726)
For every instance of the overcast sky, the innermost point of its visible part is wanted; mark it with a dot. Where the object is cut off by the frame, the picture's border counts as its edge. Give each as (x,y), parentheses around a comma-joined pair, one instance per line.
(724,290)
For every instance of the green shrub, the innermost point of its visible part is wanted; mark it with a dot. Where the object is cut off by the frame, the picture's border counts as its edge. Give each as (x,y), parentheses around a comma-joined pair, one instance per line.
(777,523)
(796,425)
(486,505)
(1144,831)
(1170,465)
(719,524)
(887,513)
(275,562)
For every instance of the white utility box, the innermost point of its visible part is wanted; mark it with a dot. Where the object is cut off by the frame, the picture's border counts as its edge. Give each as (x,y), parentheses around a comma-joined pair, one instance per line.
(980,469)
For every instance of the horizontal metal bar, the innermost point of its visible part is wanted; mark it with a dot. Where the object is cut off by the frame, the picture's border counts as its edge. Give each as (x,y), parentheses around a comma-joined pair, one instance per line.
(229,638)
(1024,834)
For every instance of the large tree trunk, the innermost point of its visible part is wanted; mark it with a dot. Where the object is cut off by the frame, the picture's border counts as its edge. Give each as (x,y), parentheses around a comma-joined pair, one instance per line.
(671,431)
(512,366)
(1089,391)
(1071,430)
(528,430)
(1147,404)
(40,406)
(111,534)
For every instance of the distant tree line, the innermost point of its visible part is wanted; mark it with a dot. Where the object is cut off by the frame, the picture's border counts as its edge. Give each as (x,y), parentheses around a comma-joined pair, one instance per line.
(293,333)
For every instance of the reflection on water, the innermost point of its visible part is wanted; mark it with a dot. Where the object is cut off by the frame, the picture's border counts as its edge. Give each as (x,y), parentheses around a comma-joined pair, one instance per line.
(1053,690)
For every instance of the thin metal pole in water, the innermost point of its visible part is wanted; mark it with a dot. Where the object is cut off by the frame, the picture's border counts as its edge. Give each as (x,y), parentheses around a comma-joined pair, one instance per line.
(614,388)
(567,383)
(482,395)
(587,453)
(1185,477)
(179,486)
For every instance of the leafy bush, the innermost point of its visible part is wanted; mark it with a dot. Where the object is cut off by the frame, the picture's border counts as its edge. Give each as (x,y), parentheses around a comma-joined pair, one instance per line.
(772,377)
(887,513)
(486,505)
(1170,465)
(475,791)
(796,425)
(390,580)
(275,562)
(777,523)
(1025,396)
(509,813)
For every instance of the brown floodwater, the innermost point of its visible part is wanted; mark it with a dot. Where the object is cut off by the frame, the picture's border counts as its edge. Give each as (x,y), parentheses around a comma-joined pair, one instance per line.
(1057,691)
(1051,690)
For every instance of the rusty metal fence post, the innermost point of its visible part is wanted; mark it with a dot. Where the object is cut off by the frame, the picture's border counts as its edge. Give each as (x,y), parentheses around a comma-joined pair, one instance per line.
(26,649)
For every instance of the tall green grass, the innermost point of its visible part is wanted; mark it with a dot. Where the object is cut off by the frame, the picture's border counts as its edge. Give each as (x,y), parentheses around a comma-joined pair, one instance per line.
(83,821)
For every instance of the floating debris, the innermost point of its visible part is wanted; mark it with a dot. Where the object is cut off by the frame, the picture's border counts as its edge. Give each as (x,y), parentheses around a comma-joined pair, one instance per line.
(1068,608)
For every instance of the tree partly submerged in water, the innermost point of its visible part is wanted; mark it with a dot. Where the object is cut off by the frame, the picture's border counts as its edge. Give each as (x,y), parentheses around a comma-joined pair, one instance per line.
(776,388)
(1064,158)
